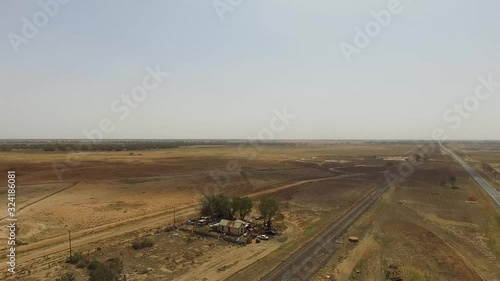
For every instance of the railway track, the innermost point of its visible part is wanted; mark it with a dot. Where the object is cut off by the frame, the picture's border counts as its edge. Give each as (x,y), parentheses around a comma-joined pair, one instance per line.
(306,262)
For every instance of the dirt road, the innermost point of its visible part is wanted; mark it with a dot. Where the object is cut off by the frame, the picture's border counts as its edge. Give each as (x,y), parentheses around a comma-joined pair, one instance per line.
(45,248)
(495,194)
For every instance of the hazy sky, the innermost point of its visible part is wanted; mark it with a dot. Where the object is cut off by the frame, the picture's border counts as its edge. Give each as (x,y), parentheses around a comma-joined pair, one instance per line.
(227,76)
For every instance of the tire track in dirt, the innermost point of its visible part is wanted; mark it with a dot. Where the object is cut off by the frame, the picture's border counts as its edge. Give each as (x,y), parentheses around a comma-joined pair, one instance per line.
(457,252)
(43,198)
(55,245)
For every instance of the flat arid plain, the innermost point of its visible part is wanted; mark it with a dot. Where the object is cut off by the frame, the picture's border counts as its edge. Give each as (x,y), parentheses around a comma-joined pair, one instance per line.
(415,212)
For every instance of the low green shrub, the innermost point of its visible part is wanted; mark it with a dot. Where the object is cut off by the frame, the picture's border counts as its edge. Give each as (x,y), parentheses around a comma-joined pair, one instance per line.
(68,276)
(75,258)
(142,243)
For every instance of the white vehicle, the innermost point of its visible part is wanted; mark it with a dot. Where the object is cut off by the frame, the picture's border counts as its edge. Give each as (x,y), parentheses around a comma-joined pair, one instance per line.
(263,237)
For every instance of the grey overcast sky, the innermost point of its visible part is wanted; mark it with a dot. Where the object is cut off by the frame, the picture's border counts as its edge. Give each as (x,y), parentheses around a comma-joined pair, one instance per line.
(65,67)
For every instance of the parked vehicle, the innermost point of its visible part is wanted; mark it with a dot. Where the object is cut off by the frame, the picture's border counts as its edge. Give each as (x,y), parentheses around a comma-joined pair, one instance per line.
(263,237)
(270,232)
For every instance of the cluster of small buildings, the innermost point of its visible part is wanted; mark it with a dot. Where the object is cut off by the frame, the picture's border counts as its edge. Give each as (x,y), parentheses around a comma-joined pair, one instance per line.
(232,227)
(237,227)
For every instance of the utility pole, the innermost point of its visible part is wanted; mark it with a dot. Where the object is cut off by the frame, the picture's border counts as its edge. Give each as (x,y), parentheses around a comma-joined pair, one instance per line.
(69,234)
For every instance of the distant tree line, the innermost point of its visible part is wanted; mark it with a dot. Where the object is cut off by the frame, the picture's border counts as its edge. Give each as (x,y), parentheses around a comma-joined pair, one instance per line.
(96,145)
(121,145)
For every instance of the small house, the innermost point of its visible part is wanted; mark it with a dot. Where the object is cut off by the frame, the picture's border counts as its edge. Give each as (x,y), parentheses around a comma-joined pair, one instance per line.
(236,227)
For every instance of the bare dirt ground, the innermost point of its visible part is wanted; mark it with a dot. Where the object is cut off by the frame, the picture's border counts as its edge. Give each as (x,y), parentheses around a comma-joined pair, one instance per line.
(106,196)
(40,249)
(426,230)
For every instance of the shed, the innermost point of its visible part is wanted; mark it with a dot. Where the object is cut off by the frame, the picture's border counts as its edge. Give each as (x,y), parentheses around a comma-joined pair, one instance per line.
(236,227)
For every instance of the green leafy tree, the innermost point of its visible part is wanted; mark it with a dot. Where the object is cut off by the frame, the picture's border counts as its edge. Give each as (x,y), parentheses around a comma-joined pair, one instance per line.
(245,207)
(217,205)
(242,205)
(269,209)
(417,157)
(453,180)
(235,205)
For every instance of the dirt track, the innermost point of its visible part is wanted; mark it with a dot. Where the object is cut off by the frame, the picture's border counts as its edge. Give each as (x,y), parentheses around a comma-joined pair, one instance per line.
(48,247)
(490,190)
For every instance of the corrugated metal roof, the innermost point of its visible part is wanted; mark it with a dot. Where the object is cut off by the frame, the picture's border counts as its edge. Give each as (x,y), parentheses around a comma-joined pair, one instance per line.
(224,222)
(232,224)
